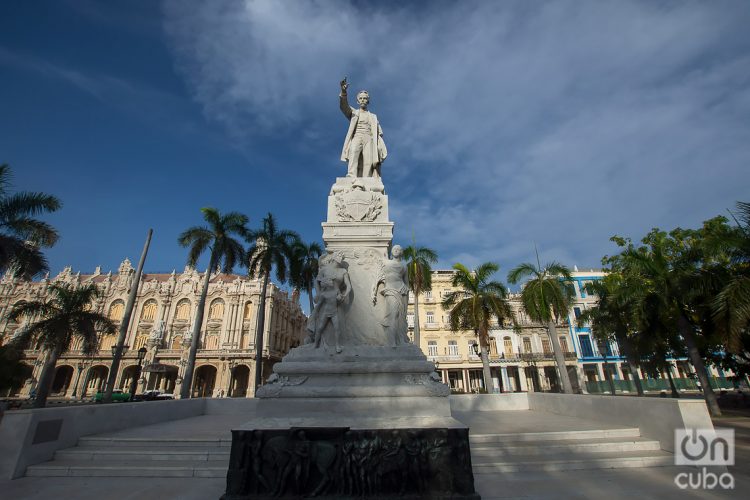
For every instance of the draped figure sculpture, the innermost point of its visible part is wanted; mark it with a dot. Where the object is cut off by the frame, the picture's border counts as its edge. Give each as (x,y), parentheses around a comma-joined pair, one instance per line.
(364,149)
(394,277)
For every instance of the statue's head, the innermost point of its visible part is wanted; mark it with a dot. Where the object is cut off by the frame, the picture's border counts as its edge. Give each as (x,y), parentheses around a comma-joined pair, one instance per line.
(363,98)
(397,251)
(336,257)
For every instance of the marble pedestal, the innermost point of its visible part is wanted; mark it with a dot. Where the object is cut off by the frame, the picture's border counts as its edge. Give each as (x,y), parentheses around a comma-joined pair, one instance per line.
(377,447)
(362,371)
(370,421)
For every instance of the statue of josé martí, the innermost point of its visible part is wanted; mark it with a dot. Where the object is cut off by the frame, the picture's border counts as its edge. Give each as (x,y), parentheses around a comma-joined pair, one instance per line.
(364,149)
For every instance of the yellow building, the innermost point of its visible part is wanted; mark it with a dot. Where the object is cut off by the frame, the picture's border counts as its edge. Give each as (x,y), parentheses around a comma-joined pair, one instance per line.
(162,322)
(521,359)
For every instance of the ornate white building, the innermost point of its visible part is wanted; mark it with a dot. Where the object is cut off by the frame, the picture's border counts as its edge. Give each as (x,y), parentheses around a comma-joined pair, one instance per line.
(162,322)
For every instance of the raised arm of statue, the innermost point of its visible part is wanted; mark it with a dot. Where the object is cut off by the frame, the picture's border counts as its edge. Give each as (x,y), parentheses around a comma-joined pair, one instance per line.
(344,102)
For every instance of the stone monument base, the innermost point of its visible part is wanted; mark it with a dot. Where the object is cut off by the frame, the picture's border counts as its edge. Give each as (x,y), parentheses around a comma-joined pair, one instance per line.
(351,448)
(358,371)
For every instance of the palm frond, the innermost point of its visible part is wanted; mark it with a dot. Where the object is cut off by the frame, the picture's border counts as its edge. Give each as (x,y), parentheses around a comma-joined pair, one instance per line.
(522,271)
(26,204)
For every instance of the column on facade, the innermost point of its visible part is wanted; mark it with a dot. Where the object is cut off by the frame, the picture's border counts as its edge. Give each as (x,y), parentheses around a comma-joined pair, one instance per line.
(522,379)
(618,371)
(465,377)
(541,375)
(581,378)
(232,323)
(600,372)
(506,381)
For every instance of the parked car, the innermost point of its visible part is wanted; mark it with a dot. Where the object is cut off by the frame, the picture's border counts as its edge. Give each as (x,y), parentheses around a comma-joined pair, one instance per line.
(146,396)
(153,395)
(117,396)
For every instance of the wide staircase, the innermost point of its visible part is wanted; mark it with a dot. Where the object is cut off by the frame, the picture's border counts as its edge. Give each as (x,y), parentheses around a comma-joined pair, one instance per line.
(565,450)
(490,454)
(139,457)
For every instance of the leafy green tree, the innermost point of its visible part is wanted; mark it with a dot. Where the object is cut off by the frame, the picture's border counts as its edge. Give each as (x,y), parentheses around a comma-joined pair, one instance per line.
(56,321)
(270,247)
(21,233)
(674,267)
(219,238)
(13,371)
(731,306)
(614,317)
(474,304)
(305,267)
(546,298)
(419,262)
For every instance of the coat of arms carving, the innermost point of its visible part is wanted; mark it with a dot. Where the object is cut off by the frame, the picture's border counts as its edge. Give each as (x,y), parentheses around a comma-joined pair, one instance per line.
(358,205)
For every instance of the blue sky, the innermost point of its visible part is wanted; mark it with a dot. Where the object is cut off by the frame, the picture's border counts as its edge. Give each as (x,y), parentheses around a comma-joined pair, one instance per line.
(507,123)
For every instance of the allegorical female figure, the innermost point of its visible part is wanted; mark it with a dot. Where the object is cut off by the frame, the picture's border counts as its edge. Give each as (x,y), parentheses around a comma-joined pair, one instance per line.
(395,291)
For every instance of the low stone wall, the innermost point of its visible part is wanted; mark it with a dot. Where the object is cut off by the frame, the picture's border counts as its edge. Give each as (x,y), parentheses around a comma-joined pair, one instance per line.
(656,418)
(29,437)
(489,402)
(231,406)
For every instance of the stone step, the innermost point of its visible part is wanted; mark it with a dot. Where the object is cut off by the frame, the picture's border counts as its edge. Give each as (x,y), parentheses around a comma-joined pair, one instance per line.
(116,443)
(626,444)
(560,463)
(479,439)
(76,468)
(174,454)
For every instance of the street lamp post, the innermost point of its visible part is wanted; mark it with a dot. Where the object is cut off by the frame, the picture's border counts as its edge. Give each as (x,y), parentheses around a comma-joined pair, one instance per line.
(232,365)
(141,354)
(79,366)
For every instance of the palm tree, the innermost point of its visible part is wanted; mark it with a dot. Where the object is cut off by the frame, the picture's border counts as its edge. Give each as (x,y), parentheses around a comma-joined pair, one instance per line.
(21,235)
(667,265)
(613,318)
(225,251)
(474,305)
(731,306)
(305,267)
(270,247)
(57,320)
(546,298)
(419,261)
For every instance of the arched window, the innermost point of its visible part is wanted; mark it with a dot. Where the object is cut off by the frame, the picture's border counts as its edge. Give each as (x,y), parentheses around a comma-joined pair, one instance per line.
(508,347)
(216,311)
(247,314)
(148,313)
(183,310)
(116,310)
(432,348)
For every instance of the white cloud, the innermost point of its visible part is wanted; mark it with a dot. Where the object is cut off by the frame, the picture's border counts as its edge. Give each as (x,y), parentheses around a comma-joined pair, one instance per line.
(507,123)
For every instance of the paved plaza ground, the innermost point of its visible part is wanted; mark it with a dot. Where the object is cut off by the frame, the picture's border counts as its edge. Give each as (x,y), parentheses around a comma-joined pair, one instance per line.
(639,483)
